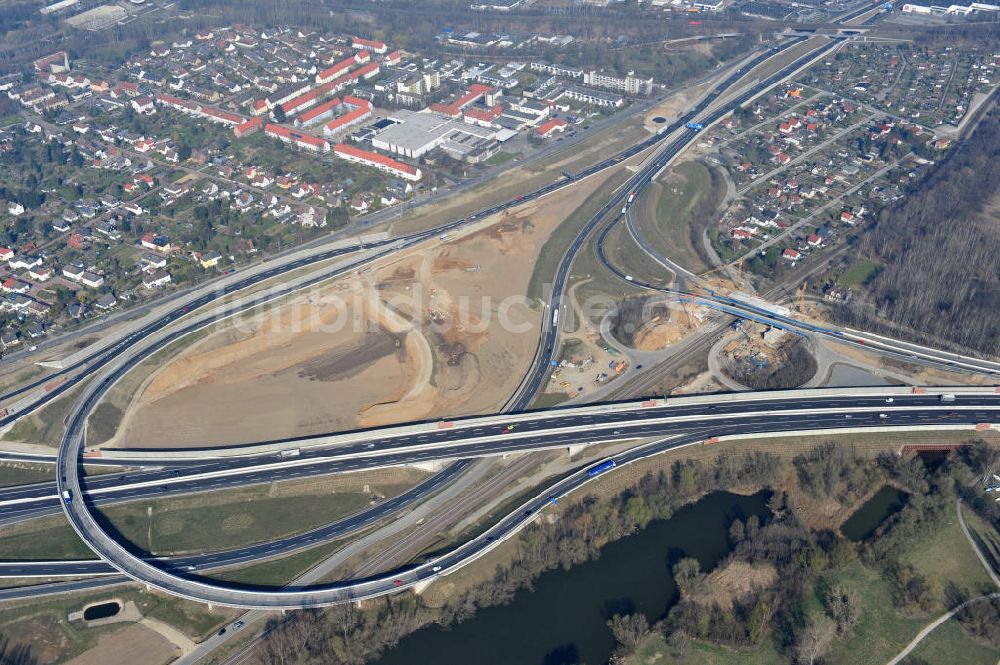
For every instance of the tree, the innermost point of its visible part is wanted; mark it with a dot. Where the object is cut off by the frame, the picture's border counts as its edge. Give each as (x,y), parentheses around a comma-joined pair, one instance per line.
(688,576)
(629,630)
(813,639)
(842,606)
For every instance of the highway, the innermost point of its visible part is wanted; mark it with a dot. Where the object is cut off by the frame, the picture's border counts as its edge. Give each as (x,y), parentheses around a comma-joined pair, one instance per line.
(886,346)
(693,423)
(80,371)
(700,422)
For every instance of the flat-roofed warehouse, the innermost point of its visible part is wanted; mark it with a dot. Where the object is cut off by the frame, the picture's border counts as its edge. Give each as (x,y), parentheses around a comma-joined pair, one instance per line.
(413,134)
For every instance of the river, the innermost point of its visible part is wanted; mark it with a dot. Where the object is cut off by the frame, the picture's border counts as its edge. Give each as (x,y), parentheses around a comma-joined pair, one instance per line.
(562,621)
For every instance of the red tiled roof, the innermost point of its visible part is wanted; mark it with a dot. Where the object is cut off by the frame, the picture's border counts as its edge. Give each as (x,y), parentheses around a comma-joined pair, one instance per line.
(374,45)
(248,126)
(486,115)
(374,158)
(454,109)
(361,108)
(299,137)
(318,110)
(223,115)
(336,69)
(550,125)
(299,102)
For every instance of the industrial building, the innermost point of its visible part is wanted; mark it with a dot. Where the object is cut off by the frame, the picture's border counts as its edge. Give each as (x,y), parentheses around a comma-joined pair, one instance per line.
(414,134)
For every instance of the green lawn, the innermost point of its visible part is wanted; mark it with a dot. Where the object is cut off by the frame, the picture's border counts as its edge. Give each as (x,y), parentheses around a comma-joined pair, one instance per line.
(209,521)
(625,254)
(947,557)
(882,631)
(560,240)
(45,427)
(665,212)
(281,571)
(859,273)
(950,644)
(500,158)
(546,400)
(24,474)
(41,624)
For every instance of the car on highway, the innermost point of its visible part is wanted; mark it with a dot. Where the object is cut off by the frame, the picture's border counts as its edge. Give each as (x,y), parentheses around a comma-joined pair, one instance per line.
(436,569)
(238,625)
(369,445)
(397,582)
(222,631)
(889,400)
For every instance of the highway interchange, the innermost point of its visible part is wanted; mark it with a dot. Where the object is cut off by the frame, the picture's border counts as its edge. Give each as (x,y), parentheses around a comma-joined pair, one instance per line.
(670,425)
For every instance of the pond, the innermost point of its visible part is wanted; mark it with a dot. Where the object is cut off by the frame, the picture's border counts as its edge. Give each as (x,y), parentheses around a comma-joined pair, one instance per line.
(102,611)
(562,621)
(866,519)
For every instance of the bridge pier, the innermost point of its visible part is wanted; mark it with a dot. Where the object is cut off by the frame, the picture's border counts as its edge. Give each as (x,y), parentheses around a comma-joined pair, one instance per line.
(575,448)
(419,587)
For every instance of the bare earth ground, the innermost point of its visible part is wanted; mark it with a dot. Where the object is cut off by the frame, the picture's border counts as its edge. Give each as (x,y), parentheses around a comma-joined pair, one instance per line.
(133,644)
(725,585)
(417,336)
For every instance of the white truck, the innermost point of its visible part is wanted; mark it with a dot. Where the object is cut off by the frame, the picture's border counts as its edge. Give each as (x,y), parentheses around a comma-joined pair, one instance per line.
(291,452)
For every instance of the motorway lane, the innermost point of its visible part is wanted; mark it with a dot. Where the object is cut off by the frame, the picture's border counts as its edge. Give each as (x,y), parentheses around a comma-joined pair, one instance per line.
(250,553)
(18,503)
(919,410)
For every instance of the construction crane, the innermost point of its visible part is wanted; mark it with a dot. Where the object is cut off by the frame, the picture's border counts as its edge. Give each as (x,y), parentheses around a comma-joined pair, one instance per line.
(736,281)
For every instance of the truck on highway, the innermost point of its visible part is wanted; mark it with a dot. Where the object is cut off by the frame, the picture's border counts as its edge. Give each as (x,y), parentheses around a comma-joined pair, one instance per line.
(694,125)
(291,452)
(67,496)
(947,397)
(598,469)
(555,318)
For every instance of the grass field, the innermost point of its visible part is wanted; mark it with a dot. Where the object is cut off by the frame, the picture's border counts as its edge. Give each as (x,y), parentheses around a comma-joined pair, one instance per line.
(45,427)
(946,556)
(200,522)
(859,273)
(42,625)
(500,158)
(949,644)
(560,240)
(625,254)
(666,211)
(281,571)
(16,473)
